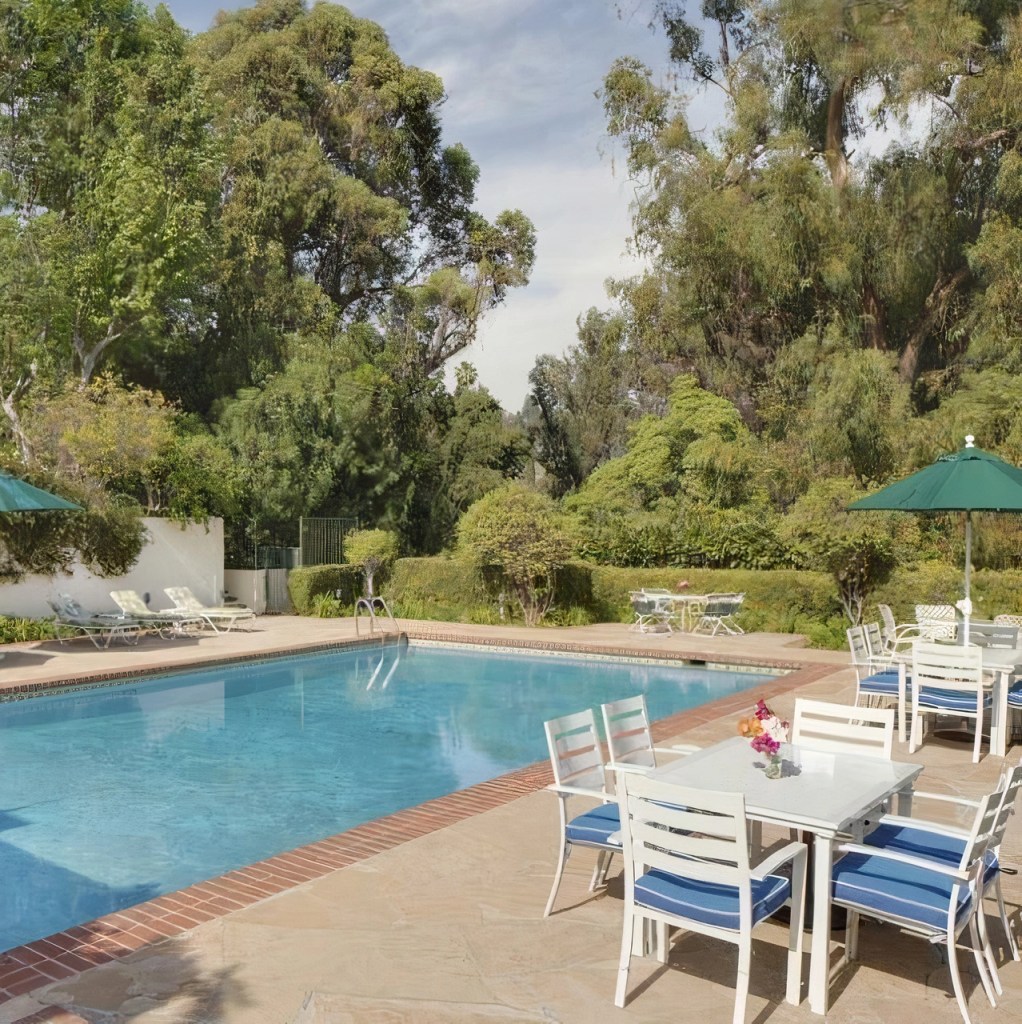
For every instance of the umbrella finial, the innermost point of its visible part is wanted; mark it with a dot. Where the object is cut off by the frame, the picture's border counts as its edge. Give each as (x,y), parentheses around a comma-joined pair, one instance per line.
(969,441)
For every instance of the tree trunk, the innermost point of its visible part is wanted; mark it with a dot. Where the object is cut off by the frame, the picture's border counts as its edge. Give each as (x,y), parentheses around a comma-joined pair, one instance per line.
(9,404)
(934,309)
(874,318)
(835,144)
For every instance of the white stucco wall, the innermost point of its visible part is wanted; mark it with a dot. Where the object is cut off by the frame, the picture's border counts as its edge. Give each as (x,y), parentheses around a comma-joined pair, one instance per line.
(173,557)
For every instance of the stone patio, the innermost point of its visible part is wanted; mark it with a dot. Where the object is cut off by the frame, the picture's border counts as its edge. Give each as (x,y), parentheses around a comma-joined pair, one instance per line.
(447,927)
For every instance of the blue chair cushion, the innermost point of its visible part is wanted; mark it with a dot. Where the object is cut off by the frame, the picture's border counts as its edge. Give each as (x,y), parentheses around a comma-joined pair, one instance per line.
(953,700)
(1015,696)
(923,842)
(708,902)
(885,683)
(892,890)
(595,826)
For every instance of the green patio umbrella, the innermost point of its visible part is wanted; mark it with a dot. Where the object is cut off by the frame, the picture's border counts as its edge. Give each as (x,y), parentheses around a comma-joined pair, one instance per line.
(18,496)
(968,481)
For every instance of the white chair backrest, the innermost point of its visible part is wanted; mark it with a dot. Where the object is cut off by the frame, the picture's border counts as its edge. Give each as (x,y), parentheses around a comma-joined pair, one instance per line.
(697,833)
(626,725)
(982,835)
(130,602)
(874,639)
(935,613)
(860,652)
(1008,620)
(575,753)
(184,598)
(991,634)
(890,624)
(947,667)
(1011,783)
(843,729)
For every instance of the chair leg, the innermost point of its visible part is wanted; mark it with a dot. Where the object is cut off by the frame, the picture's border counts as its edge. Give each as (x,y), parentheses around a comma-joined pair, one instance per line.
(988,953)
(600,871)
(956,979)
(742,982)
(978,952)
(1005,923)
(852,935)
(561,860)
(796,931)
(624,961)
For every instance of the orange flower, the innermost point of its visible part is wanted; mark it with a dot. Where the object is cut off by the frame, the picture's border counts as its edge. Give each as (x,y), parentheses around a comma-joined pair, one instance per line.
(750,727)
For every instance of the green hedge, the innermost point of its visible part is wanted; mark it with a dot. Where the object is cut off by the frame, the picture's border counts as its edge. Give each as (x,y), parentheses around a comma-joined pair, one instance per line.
(305,582)
(451,589)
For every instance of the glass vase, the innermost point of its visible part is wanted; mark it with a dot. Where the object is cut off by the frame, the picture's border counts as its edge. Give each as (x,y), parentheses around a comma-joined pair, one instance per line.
(774,766)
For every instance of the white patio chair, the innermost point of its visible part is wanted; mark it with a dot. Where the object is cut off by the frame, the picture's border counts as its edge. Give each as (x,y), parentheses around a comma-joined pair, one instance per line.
(1008,620)
(577,763)
(939,841)
(687,865)
(842,728)
(876,680)
(923,897)
(896,637)
(718,615)
(937,621)
(948,680)
(629,738)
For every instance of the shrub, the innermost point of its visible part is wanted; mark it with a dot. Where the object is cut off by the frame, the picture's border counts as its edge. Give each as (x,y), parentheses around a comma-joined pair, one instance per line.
(373,551)
(520,533)
(16,631)
(305,582)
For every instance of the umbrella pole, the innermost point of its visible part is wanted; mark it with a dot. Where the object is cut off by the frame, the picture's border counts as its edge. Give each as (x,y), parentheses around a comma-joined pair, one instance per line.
(967,609)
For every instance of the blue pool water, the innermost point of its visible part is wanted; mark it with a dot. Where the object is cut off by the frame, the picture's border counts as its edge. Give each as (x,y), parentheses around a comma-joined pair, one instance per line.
(115,795)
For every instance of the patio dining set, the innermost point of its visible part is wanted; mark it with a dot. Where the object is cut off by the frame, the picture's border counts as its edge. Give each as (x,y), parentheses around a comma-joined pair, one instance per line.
(664,611)
(690,831)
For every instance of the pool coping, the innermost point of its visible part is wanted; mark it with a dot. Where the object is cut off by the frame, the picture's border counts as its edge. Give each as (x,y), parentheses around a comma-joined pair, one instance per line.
(121,933)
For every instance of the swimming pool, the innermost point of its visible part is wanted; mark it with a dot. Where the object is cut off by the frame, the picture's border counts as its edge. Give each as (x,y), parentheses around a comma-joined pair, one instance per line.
(114,795)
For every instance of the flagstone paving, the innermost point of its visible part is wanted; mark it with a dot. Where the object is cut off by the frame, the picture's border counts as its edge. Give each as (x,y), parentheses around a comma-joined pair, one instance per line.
(446,926)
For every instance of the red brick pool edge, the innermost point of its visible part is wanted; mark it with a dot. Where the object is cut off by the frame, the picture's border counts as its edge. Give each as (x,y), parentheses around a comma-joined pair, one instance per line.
(114,936)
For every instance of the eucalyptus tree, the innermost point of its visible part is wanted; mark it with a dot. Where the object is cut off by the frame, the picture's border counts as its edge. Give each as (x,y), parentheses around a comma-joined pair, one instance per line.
(341,203)
(776,227)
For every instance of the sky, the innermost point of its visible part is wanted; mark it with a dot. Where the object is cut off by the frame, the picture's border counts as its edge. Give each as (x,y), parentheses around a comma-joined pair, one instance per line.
(521,78)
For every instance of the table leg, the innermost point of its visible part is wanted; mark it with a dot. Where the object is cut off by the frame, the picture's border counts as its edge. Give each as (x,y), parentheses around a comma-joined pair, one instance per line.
(999,714)
(819,959)
(902,686)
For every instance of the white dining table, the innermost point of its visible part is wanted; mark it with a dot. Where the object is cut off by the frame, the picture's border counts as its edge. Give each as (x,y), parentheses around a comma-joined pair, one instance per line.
(827,797)
(1001,662)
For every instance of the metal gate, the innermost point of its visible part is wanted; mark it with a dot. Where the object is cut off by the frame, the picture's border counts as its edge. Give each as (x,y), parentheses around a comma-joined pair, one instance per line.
(275,563)
(321,540)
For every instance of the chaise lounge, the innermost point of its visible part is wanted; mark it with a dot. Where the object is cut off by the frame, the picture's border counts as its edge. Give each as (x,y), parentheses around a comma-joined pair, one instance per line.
(219,618)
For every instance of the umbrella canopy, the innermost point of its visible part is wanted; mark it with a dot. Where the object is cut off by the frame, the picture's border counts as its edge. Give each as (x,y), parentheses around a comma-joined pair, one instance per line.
(968,481)
(18,496)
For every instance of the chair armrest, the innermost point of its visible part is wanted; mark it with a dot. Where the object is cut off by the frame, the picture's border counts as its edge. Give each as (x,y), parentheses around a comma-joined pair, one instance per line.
(596,794)
(937,827)
(770,864)
(678,748)
(944,798)
(628,769)
(905,858)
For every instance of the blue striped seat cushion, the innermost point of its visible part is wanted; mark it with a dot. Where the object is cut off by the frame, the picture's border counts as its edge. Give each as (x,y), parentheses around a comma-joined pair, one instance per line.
(595,826)
(885,683)
(954,700)
(1015,696)
(889,889)
(708,902)
(923,842)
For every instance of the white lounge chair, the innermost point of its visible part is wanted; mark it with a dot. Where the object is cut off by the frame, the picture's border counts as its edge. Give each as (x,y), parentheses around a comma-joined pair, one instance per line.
(221,619)
(167,624)
(71,621)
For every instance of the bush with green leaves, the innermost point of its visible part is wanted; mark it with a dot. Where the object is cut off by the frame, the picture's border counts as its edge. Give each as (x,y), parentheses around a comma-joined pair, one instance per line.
(373,551)
(17,631)
(522,534)
(307,582)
